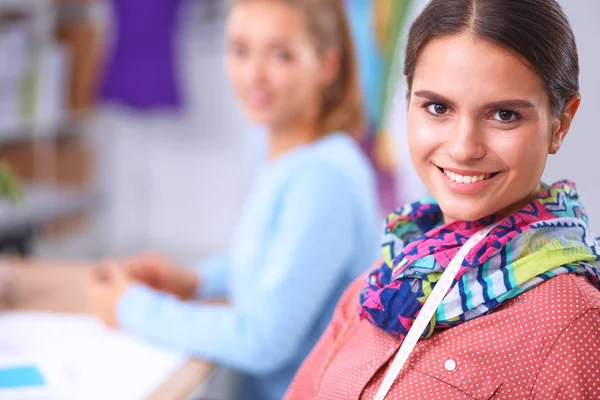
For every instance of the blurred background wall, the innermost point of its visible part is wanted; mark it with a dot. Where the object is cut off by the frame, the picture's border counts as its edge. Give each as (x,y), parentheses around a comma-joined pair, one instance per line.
(107,174)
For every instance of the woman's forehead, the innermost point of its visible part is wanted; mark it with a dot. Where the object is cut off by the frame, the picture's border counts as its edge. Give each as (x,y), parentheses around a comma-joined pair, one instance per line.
(470,69)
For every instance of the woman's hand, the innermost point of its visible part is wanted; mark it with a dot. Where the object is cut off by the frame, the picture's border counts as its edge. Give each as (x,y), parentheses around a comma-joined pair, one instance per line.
(105,286)
(7,287)
(162,274)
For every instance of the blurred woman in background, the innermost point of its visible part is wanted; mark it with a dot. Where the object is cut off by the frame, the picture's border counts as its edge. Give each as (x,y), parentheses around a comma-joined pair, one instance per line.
(309,225)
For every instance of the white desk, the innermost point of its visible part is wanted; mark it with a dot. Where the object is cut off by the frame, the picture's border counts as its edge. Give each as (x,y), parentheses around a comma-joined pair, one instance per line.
(58,287)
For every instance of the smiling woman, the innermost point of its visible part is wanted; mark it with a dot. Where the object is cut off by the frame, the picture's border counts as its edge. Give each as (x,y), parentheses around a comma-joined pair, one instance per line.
(293,61)
(488,103)
(493,89)
(481,148)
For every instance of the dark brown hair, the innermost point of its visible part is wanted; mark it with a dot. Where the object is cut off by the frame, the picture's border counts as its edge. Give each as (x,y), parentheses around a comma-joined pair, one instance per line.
(536,31)
(342,108)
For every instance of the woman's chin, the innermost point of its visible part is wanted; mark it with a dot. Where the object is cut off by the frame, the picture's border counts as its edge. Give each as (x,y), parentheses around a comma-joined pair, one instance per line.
(258,117)
(464,212)
(258,114)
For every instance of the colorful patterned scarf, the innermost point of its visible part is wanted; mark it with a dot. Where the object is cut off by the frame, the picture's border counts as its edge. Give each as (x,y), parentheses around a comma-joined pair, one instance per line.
(546,238)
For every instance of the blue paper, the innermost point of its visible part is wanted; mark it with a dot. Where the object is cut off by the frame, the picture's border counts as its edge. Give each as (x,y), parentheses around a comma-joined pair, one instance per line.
(27,376)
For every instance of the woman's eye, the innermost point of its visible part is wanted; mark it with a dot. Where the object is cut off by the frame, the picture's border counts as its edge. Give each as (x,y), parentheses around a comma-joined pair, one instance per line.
(282,55)
(505,116)
(437,108)
(239,51)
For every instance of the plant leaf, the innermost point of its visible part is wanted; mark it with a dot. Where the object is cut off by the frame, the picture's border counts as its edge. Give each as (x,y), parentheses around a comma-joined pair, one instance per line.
(9,187)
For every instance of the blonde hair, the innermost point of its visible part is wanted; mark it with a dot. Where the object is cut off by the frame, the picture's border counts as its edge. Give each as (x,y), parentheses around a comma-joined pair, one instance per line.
(342,108)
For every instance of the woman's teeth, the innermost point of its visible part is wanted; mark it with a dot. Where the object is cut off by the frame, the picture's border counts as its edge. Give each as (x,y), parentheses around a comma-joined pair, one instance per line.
(466,178)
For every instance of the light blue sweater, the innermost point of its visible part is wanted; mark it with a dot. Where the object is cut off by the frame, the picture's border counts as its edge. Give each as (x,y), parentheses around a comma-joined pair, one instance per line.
(308,228)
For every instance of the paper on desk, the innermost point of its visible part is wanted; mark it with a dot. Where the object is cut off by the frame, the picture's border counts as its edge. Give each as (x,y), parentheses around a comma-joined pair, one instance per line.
(102,363)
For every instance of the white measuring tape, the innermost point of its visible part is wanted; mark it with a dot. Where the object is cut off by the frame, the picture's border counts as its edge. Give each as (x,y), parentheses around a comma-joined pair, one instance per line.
(429,308)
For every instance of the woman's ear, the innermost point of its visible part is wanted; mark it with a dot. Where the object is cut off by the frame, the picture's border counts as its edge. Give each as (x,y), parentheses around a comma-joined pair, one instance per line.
(563,124)
(331,64)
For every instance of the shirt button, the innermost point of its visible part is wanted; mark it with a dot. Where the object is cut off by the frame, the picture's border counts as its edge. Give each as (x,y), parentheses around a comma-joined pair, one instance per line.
(450,365)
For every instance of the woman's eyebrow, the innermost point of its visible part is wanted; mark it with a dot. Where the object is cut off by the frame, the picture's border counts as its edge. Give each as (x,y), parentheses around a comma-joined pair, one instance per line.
(510,104)
(434,97)
(502,104)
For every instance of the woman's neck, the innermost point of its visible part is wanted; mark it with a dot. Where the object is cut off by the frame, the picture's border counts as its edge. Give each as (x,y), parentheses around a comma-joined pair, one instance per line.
(283,140)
